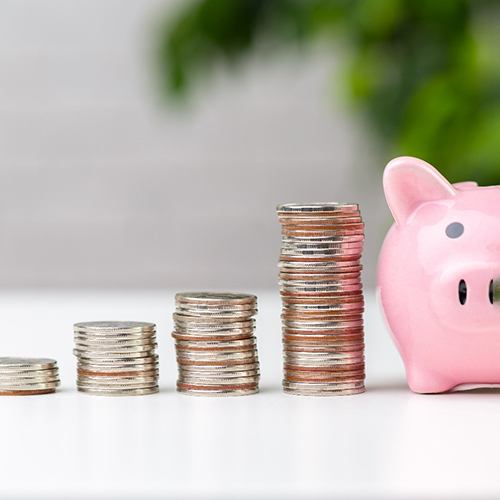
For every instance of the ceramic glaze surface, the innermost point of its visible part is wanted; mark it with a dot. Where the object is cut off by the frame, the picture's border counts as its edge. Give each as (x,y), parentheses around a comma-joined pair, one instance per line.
(437,273)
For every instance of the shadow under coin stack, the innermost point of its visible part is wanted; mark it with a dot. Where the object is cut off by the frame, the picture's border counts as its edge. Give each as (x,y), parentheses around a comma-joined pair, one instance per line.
(322,298)
(28,376)
(116,358)
(215,344)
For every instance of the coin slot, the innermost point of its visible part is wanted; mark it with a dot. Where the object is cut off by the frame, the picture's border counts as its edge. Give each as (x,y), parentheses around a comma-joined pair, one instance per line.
(491,294)
(462,292)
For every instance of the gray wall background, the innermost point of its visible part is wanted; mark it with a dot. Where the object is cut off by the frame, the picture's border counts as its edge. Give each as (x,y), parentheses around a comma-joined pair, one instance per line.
(102,186)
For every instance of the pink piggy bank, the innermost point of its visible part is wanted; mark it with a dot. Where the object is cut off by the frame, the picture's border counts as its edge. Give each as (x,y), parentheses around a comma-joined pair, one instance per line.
(437,277)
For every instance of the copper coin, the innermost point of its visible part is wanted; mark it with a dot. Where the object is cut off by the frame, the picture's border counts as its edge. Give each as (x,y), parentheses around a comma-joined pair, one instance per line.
(209,387)
(355,297)
(333,368)
(285,218)
(316,309)
(215,371)
(27,393)
(323,315)
(324,335)
(214,349)
(315,276)
(219,338)
(235,362)
(317,373)
(334,379)
(289,347)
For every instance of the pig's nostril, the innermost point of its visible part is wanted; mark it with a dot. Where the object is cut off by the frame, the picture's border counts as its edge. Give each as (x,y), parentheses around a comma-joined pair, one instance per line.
(491,293)
(462,291)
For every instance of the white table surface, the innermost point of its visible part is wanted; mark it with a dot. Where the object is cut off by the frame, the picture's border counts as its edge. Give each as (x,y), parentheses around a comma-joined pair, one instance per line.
(386,443)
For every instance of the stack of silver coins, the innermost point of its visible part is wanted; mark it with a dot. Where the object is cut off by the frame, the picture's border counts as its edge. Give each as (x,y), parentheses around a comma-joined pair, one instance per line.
(28,376)
(322,298)
(215,344)
(116,358)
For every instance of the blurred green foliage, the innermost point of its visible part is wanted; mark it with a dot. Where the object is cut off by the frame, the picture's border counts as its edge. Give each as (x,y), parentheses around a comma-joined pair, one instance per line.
(425,73)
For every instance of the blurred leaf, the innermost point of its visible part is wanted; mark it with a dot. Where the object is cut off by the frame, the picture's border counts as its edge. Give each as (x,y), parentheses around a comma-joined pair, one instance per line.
(424,73)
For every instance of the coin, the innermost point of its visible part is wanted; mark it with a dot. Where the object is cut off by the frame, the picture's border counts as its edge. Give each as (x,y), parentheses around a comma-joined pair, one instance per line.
(26,363)
(215,343)
(121,392)
(322,297)
(28,376)
(215,298)
(116,357)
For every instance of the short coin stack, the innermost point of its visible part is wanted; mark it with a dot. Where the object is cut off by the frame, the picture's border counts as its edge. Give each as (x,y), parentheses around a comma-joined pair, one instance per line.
(116,358)
(322,298)
(215,343)
(28,376)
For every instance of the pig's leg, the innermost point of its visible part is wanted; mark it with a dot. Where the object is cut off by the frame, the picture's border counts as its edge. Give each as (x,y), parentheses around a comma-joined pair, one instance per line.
(426,381)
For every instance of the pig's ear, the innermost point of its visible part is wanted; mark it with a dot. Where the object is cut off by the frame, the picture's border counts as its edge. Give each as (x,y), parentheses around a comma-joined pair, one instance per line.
(409,182)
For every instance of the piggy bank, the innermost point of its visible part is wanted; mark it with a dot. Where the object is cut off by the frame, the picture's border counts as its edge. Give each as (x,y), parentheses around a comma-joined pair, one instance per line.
(437,277)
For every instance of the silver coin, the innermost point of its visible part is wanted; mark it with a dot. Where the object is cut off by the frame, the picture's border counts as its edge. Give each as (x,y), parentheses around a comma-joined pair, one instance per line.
(208,381)
(120,348)
(15,372)
(31,386)
(215,355)
(328,206)
(28,380)
(87,384)
(211,321)
(122,392)
(220,368)
(116,354)
(214,335)
(215,375)
(214,315)
(26,363)
(119,362)
(114,325)
(147,371)
(320,266)
(301,391)
(215,344)
(115,339)
(110,381)
(249,309)
(326,386)
(120,367)
(215,298)
(219,392)
(323,308)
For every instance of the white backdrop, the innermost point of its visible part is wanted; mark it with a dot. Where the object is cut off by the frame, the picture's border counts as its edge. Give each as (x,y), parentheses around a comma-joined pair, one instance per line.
(103,185)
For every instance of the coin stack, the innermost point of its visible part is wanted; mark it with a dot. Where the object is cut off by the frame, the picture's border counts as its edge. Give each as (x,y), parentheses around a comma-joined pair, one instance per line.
(322,298)
(116,358)
(28,376)
(215,344)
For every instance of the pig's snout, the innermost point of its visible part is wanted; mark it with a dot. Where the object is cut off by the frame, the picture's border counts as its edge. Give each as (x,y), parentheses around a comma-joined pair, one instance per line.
(493,291)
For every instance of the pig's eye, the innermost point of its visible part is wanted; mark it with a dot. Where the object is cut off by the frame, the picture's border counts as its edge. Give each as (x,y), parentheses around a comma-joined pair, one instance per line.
(491,292)
(462,291)
(454,230)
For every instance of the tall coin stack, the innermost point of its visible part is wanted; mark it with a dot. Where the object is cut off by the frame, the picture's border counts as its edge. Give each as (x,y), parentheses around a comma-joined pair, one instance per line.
(116,358)
(28,376)
(322,298)
(215,344)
